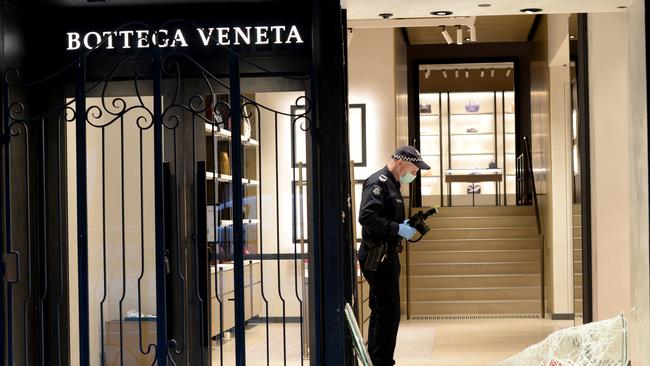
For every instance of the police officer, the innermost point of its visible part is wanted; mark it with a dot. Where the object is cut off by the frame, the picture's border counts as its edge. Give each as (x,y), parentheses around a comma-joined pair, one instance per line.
(382,218)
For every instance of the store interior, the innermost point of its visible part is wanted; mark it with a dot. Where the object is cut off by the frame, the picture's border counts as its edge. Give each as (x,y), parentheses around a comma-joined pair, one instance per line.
(467,115)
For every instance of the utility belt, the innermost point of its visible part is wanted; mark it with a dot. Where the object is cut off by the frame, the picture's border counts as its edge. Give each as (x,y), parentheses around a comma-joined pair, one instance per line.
(376,252)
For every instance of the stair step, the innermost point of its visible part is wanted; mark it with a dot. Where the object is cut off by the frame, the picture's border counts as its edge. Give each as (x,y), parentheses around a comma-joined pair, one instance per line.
(482,233)
(430,245)
(482,222)
(475,256)
(423,308)
(475,268)
(577,220)
(475,281)
(577,279)
(577,292)
(577,243)
(482,211)
(476,294)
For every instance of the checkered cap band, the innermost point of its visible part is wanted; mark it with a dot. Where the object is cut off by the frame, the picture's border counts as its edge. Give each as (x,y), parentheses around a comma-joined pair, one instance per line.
(406,158)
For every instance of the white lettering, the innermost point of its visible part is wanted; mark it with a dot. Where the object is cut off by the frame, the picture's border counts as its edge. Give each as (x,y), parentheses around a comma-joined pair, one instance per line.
(262,35)
(164,39)
(73,41)
(205,38)
(126,36)
(276,29)
(222,36)
(180,38)
(109,40)
(293,33)
(246,37)
(97,39)
(143,38)
(125,39)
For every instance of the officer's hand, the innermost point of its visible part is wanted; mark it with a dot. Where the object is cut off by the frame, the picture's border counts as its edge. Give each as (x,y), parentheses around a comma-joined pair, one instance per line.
(406,231)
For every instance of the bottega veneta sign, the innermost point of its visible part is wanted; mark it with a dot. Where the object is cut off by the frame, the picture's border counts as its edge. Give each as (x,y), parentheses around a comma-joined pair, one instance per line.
(225,36)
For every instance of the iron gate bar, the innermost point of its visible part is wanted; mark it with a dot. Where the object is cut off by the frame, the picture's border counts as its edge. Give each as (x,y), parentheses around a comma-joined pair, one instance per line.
(215,194)
(238,227)
(43,246)
(266,301)
(105,294)
(29,242)
(82,211)
(161,295)
(277,215)
(142,241)
(59,126)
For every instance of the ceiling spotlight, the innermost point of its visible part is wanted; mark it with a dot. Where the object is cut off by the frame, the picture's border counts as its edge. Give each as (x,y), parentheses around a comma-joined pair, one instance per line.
(445,34)
(427,73)
(444,73)
(492,73)
(482,72)
(484,5)
(456,74)
(466,73)
(385,15)
(572,37)
(530,10)
(441,13)
(459,34)
(508,73)
(472,33)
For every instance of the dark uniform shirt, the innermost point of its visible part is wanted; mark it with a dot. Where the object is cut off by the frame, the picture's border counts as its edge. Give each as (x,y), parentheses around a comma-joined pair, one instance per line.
(382,208)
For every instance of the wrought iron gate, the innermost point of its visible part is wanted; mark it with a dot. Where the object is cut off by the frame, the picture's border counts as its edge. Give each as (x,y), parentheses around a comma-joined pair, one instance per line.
(137,213)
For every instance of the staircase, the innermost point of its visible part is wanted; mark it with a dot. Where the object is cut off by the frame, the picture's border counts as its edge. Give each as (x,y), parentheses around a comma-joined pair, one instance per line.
(577,259)
(477,260)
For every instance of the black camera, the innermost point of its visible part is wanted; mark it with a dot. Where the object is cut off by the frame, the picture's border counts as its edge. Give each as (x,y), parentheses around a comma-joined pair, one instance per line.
(417,221)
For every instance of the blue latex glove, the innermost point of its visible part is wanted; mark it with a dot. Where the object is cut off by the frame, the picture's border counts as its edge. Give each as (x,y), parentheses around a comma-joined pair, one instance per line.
(406,231)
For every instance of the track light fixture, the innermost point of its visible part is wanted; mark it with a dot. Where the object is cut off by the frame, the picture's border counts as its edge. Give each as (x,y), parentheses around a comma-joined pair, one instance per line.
(466,73)
(472,33)
(427,73)
(482,72)
(508,73)
(492,73)
(456,72)
(444,73)
(459,35)
(445,34)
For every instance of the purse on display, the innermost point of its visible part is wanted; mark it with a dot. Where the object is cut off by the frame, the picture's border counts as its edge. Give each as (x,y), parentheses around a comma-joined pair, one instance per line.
(473,188)
(472,107)
(224,162)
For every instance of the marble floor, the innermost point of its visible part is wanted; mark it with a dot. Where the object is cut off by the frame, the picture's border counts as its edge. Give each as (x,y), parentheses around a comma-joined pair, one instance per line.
(419,343)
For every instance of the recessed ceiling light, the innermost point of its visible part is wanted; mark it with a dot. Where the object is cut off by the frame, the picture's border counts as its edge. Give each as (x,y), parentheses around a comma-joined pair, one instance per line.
(530,10)
(386,15)
(441,13)
(484,5)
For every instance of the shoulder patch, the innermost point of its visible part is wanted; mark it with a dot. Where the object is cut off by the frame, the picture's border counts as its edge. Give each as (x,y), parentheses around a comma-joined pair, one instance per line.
(376,191)
(382,178)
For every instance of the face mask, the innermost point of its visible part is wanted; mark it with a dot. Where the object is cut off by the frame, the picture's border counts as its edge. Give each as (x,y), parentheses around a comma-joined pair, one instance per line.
(407,178)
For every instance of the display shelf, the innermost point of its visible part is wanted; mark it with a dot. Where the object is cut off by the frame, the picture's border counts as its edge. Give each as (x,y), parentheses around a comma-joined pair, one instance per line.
(473,114)
(225,134)
(473,134)
(210,176)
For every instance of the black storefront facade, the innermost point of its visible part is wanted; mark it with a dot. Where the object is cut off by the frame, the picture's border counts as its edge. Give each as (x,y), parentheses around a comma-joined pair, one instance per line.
(184,77)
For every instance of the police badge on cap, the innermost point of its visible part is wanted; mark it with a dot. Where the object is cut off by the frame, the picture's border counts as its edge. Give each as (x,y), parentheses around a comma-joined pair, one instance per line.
(410,154)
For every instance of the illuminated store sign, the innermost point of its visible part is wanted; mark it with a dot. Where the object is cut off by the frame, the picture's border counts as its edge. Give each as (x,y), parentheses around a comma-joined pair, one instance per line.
(225,36)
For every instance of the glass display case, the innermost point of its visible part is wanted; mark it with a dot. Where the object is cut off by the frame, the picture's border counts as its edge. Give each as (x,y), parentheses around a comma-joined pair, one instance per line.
(472,133)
